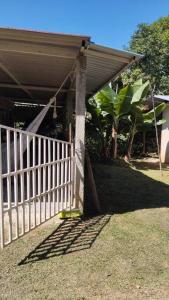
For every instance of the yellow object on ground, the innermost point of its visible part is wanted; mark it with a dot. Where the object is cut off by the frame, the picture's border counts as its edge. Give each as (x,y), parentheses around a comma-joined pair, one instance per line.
(70,214)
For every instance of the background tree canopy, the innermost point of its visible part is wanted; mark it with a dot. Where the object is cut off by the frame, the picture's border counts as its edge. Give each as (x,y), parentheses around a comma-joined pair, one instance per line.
(153,42)
(117,119)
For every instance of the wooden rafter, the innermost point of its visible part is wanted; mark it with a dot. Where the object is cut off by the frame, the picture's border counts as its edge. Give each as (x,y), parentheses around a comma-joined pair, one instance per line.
(34,87)
(13,77)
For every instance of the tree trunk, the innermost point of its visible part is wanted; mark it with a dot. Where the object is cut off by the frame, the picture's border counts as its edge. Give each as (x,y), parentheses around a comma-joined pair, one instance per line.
(144,142)
(130,145)
(115,145)
(131,139)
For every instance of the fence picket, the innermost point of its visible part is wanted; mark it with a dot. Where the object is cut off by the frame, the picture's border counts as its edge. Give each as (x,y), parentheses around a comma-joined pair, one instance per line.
(16,182)
(34,181)
(54,178)
(66,177)
(57,177)
(62,176)
(39,179)
(44,175)
(2,239)
(22,182)
(9,184)
(49,178)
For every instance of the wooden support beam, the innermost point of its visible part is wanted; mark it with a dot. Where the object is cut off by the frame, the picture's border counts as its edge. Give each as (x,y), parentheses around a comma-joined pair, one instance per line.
(92,184)
(69,115)
(70,108)
(13,77)
(34,87)
(80,131)
(34,102)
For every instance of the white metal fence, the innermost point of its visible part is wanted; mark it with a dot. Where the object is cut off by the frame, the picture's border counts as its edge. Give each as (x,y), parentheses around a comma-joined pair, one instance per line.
(36,181)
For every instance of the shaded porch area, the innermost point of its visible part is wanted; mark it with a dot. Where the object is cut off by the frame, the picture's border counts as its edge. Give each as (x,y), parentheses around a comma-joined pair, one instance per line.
(59,72)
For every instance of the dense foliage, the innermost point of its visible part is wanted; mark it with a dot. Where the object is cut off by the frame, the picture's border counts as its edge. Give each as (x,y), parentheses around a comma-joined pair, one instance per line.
(113,119)
(153,42)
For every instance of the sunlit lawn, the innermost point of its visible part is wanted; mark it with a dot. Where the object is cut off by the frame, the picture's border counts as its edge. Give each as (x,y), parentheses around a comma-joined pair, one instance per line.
(123,254)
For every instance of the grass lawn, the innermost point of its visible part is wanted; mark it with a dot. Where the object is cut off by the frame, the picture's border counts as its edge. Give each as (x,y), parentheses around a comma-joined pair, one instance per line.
(122,254)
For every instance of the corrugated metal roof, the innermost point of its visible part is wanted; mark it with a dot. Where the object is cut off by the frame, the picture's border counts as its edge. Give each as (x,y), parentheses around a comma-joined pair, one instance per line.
(40,61)
(105,64)
(42,36)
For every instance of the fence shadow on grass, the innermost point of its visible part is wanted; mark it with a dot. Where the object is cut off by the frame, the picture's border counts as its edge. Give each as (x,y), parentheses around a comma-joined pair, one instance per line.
(70,236)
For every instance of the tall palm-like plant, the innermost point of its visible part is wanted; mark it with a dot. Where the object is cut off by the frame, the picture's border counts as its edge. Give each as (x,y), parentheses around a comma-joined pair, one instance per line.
(146,123)
(129,101)
(138,118)
(98,129)
(119,105)
(116,105)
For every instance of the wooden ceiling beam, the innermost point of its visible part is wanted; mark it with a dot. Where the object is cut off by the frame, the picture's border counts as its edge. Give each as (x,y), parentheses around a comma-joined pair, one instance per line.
(13,77)
(34,87)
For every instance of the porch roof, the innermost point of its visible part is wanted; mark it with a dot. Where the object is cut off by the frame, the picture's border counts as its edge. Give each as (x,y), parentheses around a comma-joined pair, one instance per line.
(34,64)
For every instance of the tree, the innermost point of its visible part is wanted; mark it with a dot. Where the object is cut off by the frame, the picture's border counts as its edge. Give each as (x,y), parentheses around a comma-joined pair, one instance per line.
(98,125)
(142,122)
(139,91)
(119,105)
(109,109)
(153,42)
(115,105)
(138,118)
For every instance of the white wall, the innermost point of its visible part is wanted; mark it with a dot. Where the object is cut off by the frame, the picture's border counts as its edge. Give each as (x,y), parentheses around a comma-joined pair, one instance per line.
(165,137)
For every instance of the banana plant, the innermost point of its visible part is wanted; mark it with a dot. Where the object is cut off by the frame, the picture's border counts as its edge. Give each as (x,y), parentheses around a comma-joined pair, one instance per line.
(148,121)
(142,122)
(136,97)
(121,104)
(115,105)
(128,103)
(98,129)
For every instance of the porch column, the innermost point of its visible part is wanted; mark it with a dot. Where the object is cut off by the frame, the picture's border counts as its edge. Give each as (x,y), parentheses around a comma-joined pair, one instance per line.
(165,137)
(69,116)
(80,130)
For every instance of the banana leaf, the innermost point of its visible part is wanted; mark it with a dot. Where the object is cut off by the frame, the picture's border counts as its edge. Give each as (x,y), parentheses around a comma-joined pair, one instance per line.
(149,116)
(139,92)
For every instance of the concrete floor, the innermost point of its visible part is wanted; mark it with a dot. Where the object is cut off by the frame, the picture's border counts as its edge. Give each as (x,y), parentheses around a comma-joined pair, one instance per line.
(33,214)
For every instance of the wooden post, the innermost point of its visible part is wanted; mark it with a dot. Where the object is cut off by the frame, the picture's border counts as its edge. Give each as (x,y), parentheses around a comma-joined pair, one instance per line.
(69,116)
(80,131)
(70,108)
(92,183)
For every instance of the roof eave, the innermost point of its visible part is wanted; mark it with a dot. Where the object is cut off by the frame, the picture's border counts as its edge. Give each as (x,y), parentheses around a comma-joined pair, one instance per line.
(132,58)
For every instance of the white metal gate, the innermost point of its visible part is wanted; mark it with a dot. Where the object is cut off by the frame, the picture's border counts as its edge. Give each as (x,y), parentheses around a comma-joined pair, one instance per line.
(36,181)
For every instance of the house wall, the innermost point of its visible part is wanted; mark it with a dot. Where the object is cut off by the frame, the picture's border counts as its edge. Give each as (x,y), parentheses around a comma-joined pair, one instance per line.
(165,137)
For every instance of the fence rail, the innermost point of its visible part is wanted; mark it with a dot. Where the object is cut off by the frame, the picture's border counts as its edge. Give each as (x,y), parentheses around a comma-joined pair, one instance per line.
(36,181)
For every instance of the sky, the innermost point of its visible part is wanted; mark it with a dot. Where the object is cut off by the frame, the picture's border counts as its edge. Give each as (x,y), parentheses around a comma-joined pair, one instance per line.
(108,22)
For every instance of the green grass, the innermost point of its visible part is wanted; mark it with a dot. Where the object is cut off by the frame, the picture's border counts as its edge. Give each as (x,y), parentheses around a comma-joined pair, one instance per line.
(120,255)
